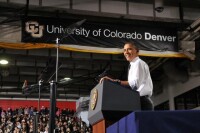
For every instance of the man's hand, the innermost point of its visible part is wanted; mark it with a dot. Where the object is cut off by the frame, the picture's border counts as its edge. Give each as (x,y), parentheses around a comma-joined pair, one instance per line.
(106,78)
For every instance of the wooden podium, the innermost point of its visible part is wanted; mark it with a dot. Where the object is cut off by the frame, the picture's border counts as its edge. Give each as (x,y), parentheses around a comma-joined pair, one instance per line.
(109,102)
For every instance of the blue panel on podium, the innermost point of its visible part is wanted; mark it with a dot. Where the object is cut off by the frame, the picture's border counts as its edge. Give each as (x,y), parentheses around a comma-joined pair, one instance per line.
(127,124)
(169,122)
(158,122)
(132,123)
(113,128)
(122,125)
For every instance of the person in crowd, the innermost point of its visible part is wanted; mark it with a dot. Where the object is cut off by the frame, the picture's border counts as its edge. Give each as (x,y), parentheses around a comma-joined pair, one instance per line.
(16,130)
(9,111)
(31,127)
(46,129)
(20,111)
(31,111)
(42,111)
(58,112)
(26,110)
(3,113)
(139,77)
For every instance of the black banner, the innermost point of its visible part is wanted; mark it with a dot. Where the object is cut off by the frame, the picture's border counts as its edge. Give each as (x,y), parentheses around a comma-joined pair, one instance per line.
(96,34)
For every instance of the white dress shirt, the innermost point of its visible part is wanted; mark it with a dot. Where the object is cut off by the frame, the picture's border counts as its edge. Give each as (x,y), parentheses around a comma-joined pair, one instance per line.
(139,77)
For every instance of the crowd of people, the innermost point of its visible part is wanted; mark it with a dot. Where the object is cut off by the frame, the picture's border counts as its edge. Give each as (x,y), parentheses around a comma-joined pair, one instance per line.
(23,120)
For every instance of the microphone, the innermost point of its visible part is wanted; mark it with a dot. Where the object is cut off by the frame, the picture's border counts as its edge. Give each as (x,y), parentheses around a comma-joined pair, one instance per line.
(34,88)
(104,73)
(27,89)
(40,82)
(25,84)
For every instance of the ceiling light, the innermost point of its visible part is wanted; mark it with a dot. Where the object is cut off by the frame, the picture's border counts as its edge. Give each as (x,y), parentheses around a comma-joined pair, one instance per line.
(67,79)
(3,62)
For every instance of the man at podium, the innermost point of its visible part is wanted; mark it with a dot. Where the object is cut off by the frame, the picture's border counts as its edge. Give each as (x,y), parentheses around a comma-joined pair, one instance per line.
(139,77)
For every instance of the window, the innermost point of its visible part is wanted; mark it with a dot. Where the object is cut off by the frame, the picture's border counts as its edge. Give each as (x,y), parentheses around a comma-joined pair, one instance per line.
(188,100)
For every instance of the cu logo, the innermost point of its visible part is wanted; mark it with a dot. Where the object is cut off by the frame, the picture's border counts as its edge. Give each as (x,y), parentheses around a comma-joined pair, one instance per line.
(94,97)
(34,29)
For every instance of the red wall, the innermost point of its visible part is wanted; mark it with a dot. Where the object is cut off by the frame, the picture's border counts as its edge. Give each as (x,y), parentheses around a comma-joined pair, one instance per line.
(17,103)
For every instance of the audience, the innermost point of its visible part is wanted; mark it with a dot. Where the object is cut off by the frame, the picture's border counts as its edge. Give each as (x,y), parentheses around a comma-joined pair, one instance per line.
(21,120)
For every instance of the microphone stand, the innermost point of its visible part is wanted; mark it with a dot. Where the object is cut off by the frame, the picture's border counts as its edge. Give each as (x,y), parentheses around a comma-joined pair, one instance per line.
(57,57)
(40,83)
(36,114)
(53,87)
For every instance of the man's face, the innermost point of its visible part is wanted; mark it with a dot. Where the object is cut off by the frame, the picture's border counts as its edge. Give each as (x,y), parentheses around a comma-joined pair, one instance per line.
(130,52)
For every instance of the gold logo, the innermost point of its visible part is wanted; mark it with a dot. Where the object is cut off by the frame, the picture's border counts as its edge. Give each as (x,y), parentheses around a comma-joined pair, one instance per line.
(34,29)
(94,97)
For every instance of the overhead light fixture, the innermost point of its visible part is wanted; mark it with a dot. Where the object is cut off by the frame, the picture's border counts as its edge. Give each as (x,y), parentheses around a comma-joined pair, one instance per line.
(3,62)
(65,80)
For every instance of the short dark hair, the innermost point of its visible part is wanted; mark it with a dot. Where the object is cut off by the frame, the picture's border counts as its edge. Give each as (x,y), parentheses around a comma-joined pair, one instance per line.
(133,44)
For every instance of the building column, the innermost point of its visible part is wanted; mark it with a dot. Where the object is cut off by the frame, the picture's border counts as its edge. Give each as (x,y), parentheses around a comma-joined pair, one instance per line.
(171,87)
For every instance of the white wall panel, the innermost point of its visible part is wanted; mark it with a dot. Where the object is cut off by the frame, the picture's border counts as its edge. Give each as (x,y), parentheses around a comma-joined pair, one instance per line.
(88,5)
(56,3)
(169,12)
(31,2)
(140,9)
(113,7)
